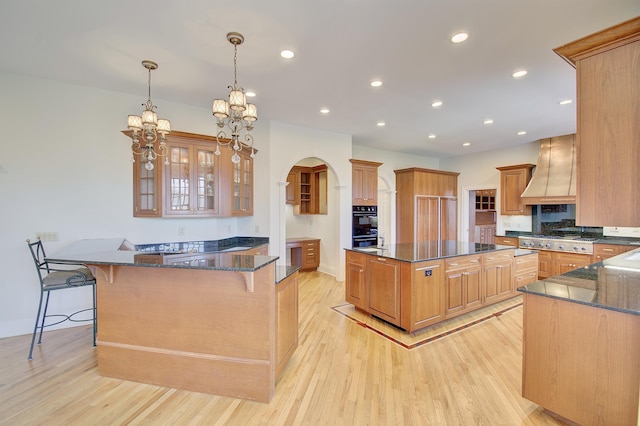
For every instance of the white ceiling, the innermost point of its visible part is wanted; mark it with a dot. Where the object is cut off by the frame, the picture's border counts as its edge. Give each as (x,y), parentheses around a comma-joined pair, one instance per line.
(340,47)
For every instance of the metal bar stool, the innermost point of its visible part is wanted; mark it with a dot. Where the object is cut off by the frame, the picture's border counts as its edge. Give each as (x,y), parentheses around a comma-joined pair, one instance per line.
(59,279)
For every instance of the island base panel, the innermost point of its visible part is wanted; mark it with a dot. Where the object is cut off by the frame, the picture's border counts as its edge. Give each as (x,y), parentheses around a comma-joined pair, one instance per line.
(581,362)
(232,378)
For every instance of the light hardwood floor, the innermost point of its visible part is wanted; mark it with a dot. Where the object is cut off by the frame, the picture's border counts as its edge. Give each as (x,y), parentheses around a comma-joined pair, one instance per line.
(341,374)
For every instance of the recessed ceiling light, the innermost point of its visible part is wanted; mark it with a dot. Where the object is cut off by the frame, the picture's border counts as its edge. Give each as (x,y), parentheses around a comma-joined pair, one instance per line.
(522,132)
(466,144)
(565,102)
(287,54)
(250,94)
(519,74)
(436,104)
(324,111)
(381,124)
(488,121)
(376,83)
(459,38)
(432,136)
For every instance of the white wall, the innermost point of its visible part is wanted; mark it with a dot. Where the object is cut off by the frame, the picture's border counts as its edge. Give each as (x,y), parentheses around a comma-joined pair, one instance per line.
(488,177)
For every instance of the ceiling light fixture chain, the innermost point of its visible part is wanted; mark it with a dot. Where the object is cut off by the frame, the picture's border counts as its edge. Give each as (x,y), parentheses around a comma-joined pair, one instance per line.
(150,126)
(236,114)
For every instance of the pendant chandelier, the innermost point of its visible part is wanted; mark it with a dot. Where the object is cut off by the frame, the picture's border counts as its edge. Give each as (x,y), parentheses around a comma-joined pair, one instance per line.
(150,126)
(235,114)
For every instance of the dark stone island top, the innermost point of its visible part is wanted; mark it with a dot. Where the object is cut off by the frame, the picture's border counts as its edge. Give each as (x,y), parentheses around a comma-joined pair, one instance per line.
(212,255)
(611,284)
(430,250)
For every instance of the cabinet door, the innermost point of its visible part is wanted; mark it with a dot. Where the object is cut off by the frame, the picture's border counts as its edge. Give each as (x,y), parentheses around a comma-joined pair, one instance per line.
(427,222)
(427,296)
(147,189)
(513,181)
(462,285)
(608,129)
(293,190)
(545,265)
(179,186)
(355,280)
(565,262)
(242,186)
(383,280)
(191,181)
(364,183)
(448,218)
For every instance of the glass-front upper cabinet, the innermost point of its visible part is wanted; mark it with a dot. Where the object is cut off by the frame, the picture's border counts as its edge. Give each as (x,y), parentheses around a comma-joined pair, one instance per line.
(196,182)
(242,186)
(191,180)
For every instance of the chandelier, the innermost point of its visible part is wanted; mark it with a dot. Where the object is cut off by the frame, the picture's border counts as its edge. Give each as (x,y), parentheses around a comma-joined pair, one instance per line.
(236,114)
(150,126)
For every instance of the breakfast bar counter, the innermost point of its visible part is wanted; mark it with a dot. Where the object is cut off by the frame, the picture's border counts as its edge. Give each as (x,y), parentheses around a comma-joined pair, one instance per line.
(212,322)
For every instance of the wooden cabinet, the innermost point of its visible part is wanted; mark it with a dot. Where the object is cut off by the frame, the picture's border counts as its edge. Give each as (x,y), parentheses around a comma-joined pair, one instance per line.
(305,252)
(608,99)
(551,263)
(191,180)
(435,218)
(286,320)
(565,262)
(462,285)
(525,270)
(423,295)
(498,275)
(196,182)
(580,361)
(239,186)
(262,250)
(485,200)
(309,189)
(383,292)
(606,251)
(147,189)
(485,234)
(545,264)
(355,290)
(506,241)
(426,205)
(293,187)
(416,295)
(364,182)
(513,181)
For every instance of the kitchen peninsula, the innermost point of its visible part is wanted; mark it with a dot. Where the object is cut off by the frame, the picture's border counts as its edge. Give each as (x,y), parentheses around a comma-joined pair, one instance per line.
(210,319)
(581,342)
(415,285)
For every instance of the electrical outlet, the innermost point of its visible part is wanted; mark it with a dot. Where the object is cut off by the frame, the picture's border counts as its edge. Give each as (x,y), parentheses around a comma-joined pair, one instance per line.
(257,228)
(181,231)
(47,236)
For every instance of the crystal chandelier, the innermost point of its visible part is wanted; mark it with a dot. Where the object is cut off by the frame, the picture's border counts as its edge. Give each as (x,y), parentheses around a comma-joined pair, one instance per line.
(150,126)
(236,114)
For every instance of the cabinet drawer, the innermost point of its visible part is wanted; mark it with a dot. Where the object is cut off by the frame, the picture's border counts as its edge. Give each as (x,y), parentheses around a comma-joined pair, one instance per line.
(506,241)
(526,278)
(524,263)
(499,256)
(462,262)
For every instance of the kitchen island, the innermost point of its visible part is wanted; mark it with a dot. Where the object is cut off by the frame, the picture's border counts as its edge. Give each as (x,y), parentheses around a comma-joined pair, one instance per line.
(209,321)
(581,342)
(416,285)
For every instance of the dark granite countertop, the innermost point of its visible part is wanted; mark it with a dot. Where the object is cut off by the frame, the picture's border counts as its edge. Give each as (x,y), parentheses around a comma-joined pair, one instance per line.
(211,255)
(601,285)
(284,272)
(429,250)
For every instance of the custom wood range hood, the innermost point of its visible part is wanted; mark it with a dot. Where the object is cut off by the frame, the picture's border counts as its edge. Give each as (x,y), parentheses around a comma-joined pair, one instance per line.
(554,178)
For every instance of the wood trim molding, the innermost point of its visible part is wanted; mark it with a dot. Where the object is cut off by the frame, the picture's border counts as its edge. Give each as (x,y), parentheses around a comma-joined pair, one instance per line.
(609,38)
